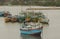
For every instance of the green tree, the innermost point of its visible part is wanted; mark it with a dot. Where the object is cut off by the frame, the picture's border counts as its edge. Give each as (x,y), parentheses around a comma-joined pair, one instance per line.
(15,2)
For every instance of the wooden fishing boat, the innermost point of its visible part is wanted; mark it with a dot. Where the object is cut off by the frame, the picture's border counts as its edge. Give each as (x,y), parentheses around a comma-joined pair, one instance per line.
(33,23)
(31,28)
(8,19)
(6,14)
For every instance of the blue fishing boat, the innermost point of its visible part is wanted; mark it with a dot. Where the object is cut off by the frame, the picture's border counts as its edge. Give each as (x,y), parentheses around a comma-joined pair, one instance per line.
(35,31)
(1,14)
(4,14)
(33,23)
(31,28)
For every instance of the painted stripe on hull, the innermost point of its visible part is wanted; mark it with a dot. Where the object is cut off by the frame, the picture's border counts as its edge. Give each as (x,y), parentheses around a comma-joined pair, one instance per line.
(30,31)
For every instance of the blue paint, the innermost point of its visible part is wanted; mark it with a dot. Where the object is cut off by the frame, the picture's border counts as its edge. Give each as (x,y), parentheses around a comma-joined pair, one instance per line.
(30,31)
(1,14)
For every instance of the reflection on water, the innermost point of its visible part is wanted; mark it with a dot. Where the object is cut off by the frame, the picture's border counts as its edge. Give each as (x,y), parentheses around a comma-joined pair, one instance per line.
(36,36)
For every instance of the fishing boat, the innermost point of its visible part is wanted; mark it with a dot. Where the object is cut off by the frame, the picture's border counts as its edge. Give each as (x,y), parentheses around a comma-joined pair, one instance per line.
(6,13)
(8,19)
(21,17)
(31,28)
(1,14)
(33,23)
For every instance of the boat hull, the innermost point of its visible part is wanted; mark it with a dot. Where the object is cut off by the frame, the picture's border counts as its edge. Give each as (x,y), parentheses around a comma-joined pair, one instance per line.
(31,31)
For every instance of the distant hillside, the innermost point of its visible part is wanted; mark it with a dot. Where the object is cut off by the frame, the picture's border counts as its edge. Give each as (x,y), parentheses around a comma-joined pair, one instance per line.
(31,2)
